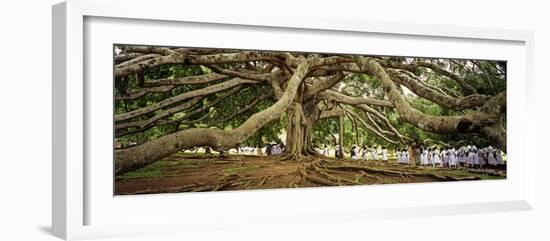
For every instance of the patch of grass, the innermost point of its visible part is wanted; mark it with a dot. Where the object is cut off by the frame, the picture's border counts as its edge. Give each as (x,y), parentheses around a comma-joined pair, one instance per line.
(153,170)
(234,170)
(183,163)
(156,169)
(359,179)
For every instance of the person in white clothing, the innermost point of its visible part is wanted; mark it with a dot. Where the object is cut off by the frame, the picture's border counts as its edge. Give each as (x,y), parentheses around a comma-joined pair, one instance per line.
(325,150)
(436,158)
(473,158)
(430,157)
(384,155)
(364,153)
(500,162)
(374,154)
(452,158)
(398,156)
(462,156)
(354,153)
(405,157)
(482,156)
(444,158)
(424,158)
(491,158)
(470,159)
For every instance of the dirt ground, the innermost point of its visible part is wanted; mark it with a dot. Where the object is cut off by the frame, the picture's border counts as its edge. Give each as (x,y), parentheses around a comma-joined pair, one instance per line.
(190,173)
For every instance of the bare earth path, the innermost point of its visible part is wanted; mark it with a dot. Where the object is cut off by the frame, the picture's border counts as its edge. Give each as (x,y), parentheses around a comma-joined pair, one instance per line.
(190,173)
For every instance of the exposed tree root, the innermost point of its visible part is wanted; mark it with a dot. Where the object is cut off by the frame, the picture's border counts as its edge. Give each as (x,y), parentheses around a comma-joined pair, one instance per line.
(306,172)
(364,174)
(489,172)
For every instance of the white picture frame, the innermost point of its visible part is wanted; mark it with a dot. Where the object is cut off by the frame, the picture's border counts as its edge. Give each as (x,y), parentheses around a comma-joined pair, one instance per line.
(73,190)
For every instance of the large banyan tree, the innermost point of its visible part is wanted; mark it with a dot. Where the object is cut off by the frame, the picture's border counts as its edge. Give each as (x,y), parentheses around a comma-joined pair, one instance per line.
(168,99)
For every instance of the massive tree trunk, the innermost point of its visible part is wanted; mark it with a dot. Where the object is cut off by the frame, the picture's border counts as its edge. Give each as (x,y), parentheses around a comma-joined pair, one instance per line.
(295,135)
(298,137)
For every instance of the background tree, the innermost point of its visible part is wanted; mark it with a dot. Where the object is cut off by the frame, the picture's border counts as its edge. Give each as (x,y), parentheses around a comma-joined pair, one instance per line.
(170,99)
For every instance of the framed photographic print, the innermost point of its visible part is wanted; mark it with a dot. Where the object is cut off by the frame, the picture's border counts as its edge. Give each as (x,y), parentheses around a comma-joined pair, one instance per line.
(167,123)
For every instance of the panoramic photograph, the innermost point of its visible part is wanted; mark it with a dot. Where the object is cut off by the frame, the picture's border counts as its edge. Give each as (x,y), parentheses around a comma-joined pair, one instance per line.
(190,119)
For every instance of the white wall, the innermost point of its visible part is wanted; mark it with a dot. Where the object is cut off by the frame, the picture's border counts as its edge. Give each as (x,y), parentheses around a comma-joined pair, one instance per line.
(25,85)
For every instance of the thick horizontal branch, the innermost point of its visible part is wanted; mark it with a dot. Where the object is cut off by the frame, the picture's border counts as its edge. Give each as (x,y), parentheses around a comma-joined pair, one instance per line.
(188,80)
(147,50)
(323,84)
(345,99)
(331,113)
(120,58)
(210,59)
(318,62)
(496,105)
(136,60)
(144,91)
(253,76)
(166,85)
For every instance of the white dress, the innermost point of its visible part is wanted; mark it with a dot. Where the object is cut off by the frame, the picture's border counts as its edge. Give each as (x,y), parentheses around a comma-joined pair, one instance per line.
(374,155)
(491,159)
(444,157)
(499,157)
(424,158)
(452,157)
(473,157)
(398,154)
(462,155)
(470,159)
(354,154)
(405,157)
(436,158)
(481,154)
(384,155)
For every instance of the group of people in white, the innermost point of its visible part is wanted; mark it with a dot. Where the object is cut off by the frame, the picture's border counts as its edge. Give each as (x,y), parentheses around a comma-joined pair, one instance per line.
(369,153)
(471,156)
(267,150)
(464,156)
(274,149)
(247,150)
